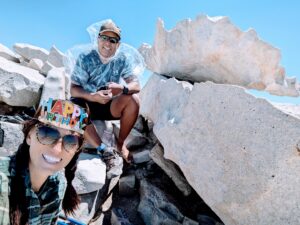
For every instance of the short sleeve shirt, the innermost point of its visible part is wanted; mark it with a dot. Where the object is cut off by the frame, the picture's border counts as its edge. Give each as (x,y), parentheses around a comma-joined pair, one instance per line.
(91,74)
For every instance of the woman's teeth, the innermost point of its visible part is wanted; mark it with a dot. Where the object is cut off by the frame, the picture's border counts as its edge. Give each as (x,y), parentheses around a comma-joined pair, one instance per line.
(51,159)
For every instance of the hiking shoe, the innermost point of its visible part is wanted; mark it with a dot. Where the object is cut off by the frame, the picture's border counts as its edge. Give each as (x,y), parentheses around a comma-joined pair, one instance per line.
(113,161)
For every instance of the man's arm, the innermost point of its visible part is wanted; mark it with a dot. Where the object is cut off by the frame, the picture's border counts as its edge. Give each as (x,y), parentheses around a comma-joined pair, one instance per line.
(78,92)
(133,86)
(101,97)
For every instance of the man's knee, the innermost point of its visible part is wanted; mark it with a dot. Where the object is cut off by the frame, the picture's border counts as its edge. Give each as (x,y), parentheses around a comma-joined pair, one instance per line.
(134,103)
(130,100)
(136,98)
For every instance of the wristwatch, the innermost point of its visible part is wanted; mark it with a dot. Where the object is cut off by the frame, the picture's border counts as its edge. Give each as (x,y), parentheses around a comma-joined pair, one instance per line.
(125,90)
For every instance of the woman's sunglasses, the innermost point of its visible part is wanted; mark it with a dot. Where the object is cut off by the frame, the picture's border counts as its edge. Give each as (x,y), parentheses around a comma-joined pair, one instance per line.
(113,40)
(48,136)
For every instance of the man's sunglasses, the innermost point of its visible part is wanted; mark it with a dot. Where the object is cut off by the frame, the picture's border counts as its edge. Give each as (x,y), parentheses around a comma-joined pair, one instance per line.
(48,136)
(113,40)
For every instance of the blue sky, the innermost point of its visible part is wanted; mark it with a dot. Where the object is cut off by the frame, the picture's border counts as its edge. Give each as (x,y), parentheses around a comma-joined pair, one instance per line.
(63,23)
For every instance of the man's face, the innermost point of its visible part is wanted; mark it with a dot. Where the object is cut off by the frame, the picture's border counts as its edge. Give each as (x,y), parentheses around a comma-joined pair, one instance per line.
(106,48)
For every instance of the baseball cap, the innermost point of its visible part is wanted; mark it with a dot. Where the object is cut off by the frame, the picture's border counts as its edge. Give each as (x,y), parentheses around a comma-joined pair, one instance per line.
(109,25)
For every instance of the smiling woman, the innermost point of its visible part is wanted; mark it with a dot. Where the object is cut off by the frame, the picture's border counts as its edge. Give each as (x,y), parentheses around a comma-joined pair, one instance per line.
(33,188)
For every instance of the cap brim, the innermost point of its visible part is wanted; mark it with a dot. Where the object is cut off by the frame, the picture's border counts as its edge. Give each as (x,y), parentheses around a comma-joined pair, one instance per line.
(109,30)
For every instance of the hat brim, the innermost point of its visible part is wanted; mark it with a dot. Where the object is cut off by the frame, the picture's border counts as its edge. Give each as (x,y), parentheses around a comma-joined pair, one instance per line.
(110,30)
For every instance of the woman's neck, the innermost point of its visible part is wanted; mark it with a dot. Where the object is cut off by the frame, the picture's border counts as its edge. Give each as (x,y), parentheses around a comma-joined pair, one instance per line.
(37,178)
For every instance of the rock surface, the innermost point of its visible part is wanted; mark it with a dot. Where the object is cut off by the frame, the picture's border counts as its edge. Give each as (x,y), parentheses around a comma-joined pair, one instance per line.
(13,137)
(20,86)
(213,49)
(54,86)
(238,152)
(8,54)
(56,57)
(170,169)
(90,174)
(30,51)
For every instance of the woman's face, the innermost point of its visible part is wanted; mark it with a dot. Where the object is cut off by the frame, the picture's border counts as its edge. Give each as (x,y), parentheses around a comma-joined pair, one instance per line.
(48,158)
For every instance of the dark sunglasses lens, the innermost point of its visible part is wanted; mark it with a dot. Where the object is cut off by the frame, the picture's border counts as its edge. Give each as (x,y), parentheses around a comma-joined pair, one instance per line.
(47,135)
(103,37)
(113,40)
(71,142)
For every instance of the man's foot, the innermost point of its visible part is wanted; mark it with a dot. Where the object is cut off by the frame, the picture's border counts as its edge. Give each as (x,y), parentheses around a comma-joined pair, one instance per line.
(127,156)
(113,161)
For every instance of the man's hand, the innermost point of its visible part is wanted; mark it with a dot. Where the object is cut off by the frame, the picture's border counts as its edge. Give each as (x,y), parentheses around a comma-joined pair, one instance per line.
(115,88)
(102,96)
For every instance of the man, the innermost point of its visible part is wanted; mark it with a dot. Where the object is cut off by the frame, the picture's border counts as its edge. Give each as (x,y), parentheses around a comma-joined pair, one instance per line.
(96,81)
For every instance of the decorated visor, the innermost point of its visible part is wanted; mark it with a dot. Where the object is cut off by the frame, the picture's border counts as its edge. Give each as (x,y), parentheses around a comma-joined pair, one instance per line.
(63,114)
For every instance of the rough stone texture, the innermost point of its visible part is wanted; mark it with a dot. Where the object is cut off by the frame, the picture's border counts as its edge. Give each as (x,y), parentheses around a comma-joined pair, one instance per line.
(213,49)
(134,140)
(291,109)
(29,51)
(188,221)
(54,86)
(56,57)
(168,166)
(23,61)
(141,157)
(8,54)
(19,86)
(13,137)
(35,64)
(238,152)
(118,217)
(127,185)
(155,207)
(46,68)
(90,174)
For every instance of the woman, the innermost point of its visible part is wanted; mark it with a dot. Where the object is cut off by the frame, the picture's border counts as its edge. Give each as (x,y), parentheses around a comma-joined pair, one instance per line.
(33,188)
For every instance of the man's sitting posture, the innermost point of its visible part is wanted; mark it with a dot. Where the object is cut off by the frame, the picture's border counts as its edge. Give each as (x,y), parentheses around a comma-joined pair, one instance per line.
(96,81)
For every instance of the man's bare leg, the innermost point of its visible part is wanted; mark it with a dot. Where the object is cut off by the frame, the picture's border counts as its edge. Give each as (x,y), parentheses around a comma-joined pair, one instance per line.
(91,136)
(125,107)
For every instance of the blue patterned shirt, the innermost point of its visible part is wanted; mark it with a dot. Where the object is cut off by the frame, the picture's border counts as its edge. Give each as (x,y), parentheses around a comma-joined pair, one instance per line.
(91,74)
(44,206)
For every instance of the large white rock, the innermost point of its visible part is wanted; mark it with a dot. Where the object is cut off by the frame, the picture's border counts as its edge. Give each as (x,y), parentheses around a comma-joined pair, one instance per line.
(288,108)
(35,64)
(56,57)
(5,52)
(30,51)
(213,49)
(157,154)
(13,137)
(19,85)
(54,86)
(90,174)
(46,68)
(238,152)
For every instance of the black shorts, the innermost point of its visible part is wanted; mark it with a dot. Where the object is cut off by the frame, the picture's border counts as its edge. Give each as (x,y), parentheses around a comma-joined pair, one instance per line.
(97,111)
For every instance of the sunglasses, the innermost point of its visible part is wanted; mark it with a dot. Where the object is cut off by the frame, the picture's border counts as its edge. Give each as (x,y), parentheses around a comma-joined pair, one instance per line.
(113,40)
(48,136)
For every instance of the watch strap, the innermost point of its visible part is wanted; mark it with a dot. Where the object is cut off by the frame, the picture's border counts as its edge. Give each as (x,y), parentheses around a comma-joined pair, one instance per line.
(125,90)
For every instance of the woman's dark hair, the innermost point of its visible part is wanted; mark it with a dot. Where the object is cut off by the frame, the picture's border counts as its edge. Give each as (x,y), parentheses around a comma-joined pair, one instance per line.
(17,198)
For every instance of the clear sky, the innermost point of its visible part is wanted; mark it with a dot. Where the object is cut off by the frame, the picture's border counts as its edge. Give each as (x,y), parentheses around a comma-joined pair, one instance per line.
(63,22)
